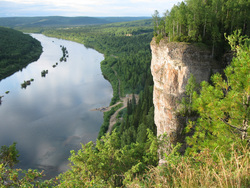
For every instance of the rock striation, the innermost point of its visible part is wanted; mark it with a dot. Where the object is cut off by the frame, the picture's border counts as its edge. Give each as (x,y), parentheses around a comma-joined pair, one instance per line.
(171,66)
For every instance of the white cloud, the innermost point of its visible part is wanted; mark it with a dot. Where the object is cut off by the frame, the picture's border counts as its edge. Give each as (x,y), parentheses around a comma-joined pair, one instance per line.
(63,2)
(84,7)
(151,1)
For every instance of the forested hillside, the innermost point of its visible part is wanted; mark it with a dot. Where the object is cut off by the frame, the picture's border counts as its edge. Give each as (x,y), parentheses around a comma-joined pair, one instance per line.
(218,152)
(17,50)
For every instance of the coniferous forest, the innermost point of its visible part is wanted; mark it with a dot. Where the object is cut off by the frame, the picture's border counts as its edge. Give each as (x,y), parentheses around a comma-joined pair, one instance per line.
(218,153)
(204,22)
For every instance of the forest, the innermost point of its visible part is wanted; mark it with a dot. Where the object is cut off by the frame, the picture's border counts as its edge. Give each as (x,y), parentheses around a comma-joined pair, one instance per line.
(218,139)
(204,21)
(17,50)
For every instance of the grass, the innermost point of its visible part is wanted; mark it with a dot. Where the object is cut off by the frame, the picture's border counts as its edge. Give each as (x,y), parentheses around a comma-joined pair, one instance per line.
(207,169)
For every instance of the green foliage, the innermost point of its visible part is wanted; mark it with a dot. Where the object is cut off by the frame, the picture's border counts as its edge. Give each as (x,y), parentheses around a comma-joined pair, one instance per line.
(224,106)
(186,102)
(17,50)
(106,164)
(139,118)
(9,155)
(109,74)
(106,118)
(236,39)
(10,177)
(156,21)
(141,133)
(204,21)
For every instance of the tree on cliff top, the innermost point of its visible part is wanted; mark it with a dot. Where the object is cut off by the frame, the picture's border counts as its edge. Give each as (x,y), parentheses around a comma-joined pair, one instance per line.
(204,21)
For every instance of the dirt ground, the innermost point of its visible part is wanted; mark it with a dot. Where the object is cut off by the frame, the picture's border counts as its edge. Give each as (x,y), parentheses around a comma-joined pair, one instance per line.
(113,118)
(124,100)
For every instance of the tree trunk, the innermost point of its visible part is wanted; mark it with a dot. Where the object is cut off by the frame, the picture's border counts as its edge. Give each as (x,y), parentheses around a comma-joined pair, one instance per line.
(204,28)
(213,50)
(177,27)
(189,105)
(244,25)
(173,29)
(245,125)
(180,28)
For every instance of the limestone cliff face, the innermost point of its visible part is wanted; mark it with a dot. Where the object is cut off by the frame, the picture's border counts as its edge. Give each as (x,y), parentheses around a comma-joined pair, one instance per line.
(171,66)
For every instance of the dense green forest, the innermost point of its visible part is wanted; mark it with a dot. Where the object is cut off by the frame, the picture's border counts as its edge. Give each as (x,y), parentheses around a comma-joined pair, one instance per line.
(204,21)
(218,154)
(17,50)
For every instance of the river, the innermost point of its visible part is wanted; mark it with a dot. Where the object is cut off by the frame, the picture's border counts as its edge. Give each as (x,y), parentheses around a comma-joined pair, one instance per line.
(52,115)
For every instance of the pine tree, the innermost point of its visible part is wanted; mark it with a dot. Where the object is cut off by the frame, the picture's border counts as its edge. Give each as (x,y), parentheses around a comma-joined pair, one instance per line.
(223,106)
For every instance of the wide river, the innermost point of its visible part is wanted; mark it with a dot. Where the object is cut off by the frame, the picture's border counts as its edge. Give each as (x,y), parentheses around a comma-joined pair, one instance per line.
(52,115)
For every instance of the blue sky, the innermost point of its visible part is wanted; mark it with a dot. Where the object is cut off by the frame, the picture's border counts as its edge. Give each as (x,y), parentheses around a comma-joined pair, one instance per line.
(11,8)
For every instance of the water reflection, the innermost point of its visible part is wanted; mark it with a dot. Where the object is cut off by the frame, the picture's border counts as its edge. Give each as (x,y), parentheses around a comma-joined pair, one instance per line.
(51,116)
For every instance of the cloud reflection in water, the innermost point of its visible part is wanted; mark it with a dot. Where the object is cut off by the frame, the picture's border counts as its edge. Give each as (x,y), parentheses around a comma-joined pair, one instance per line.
(51,116)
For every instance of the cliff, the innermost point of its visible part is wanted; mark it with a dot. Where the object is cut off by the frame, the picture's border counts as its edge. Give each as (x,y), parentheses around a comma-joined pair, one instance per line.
(171,66)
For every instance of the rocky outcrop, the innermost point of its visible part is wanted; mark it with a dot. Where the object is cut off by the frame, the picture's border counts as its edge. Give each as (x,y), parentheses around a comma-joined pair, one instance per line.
(171,66)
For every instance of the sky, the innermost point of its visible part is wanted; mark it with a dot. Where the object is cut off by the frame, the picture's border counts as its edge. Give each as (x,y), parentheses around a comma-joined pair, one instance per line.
(95,8)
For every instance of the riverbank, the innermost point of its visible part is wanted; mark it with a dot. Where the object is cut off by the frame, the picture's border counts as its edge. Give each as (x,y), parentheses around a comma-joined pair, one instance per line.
(113,119)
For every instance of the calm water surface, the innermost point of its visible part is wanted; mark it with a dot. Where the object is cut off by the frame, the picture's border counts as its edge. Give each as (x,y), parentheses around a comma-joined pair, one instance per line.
(52,116)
